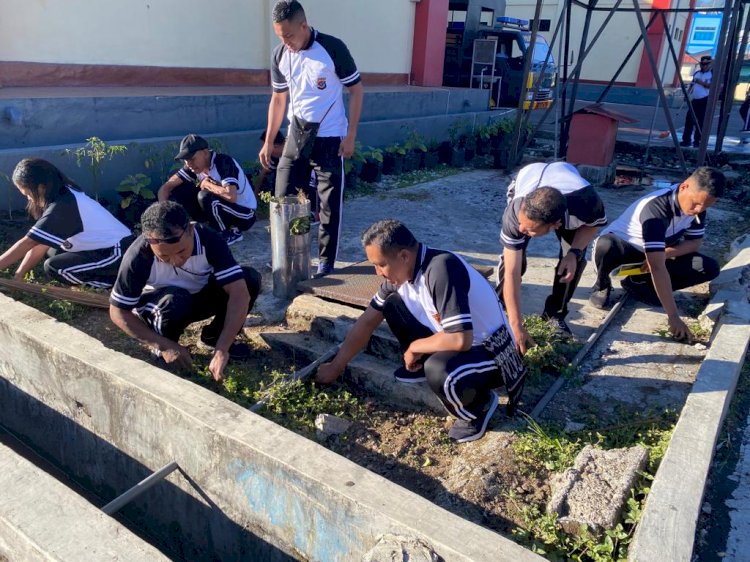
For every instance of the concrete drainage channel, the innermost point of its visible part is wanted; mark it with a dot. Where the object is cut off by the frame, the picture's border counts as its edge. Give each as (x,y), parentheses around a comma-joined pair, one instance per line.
(249,489)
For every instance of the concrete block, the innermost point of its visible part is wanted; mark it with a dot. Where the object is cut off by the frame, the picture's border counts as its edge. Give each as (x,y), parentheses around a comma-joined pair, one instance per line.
(594,492)
(598,175)
(327,425)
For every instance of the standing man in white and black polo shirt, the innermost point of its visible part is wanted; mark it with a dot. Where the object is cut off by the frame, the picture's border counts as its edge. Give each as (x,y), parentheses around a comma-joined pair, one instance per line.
(310,69)
(699,91)
(546,197)
(662,231)
(449,323)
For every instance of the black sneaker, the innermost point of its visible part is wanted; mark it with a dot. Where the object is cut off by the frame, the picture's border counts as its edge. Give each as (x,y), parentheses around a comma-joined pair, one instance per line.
(324,268)
(464,431)
(696,144)
(402,375)
(560,325)
(231,236)
(642,291)
(599,298)
(685,143)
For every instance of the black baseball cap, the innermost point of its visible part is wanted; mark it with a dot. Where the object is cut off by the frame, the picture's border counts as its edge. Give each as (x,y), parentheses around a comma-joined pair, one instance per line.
(706,58)
(189,145)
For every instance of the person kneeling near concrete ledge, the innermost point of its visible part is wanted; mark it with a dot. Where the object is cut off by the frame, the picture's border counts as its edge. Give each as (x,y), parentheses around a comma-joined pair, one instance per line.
(546,197)
(213,188)
(176,273)
(449,323)
(662,233)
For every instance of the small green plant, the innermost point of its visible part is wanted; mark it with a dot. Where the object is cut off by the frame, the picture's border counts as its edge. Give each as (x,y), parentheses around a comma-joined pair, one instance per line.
(298,402)
(396,149)
(458,131)
(699,332)
(299,225)
(5,182)
(373,154)
(551,448)
(554,350)
(217,146)
(135,188)
(161,159)
(94,153)
(415,142)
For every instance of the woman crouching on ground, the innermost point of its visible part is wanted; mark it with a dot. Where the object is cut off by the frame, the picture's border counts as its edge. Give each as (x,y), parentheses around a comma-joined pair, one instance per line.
(82,241)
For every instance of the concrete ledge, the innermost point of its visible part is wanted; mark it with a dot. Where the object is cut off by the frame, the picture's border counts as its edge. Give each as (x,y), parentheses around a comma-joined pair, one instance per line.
(667,527)
(256,490)
(42,519)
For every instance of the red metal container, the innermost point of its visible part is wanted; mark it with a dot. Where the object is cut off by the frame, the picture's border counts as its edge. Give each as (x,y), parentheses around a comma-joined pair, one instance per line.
(593,132)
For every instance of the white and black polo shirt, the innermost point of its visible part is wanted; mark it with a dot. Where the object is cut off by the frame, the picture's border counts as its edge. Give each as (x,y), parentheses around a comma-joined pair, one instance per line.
(77,223)
(656,222)
(141,271)
(225,170)
(585,208)
(700,92)
(447,295)
(314,78)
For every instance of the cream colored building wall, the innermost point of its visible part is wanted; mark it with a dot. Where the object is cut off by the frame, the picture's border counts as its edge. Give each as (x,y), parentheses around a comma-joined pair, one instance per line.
(379,33)
(610,49)
(180,33)
(196,33)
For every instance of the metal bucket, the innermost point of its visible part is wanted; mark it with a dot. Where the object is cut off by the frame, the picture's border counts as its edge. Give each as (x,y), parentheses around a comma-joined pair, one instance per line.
(290,253)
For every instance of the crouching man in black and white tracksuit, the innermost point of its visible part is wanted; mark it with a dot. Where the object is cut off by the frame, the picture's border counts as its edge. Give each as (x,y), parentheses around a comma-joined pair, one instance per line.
(176,273)
(213,188)
(449,323)
(661,232)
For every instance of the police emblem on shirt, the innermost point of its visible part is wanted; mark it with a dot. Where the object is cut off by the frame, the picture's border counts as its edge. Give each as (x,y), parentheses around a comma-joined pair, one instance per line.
(66,245)
(321,83)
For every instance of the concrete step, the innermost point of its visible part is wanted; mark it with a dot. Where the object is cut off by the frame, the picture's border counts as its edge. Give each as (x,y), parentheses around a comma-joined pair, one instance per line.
(330,322)
(372,374)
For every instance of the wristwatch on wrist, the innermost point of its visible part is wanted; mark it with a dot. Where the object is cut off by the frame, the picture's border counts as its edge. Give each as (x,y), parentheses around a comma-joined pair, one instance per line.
(577,253)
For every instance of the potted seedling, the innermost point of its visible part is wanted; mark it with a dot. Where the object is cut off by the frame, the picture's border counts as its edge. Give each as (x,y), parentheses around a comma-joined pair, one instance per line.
(393,159)
(353,166)
(431,158)
(416,148)
(135,197)
(372,166)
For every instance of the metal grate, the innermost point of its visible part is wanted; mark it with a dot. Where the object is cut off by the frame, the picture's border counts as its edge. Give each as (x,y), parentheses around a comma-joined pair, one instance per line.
(355,285)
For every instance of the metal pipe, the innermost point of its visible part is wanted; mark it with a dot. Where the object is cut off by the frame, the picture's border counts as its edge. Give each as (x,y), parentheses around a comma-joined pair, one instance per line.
(116,504)
(659,85)
(577,75)
(713,92)
(593,338)
(524,86)
(734,76)
(563,97)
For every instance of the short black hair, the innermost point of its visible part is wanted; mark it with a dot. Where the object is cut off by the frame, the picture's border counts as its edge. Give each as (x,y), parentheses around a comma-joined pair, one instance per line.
(164,219)
(287,10)
(390,236)
(710,180)
(546,205)
(278,139)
